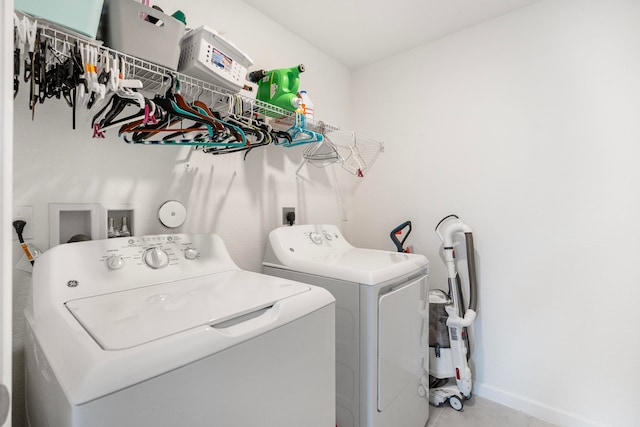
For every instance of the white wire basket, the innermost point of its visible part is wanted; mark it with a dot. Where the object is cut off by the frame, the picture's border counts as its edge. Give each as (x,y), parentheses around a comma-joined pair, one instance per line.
(355,153)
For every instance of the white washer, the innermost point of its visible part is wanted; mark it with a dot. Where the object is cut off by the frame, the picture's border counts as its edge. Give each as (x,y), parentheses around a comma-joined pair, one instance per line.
(167,331)
(381,321)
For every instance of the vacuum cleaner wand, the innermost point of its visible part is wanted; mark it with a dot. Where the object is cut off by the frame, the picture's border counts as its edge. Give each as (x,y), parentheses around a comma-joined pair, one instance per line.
(450,262)
(449,357)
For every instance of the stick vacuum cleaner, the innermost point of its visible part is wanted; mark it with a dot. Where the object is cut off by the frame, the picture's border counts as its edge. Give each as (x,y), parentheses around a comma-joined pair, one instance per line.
(449,348)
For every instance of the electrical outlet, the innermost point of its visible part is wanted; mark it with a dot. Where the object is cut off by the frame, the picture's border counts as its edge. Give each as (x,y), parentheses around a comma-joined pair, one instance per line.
(285,212)
(24,213)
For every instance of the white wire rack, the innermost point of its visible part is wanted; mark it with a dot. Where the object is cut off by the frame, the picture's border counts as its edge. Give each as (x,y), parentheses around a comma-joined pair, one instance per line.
(154,77)
(355,153)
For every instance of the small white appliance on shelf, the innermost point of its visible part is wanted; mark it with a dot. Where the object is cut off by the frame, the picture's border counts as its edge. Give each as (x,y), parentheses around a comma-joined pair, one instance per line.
(206,55)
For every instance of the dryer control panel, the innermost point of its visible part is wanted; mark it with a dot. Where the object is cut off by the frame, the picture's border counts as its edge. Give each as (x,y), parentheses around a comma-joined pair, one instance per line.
(311,240)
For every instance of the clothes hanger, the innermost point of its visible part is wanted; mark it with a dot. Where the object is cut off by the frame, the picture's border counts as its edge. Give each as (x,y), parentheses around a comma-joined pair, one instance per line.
(118,102)
(148,114)
(322,154)
(34,72)
(18,43)
(28,32)
(246,110)
(123,96)
(237,113)
(300,134)
(143,132)
(202,114)
(69,74)
(41,70)
(85,77)
(195,133)
(259,135)
(239,134)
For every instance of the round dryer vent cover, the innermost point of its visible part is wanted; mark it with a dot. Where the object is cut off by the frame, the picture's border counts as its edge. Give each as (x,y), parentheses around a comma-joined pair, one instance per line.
(172,214)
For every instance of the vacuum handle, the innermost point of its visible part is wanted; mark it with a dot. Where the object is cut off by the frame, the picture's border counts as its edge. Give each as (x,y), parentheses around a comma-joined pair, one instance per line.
(400,243)
(471,267)
(443,220)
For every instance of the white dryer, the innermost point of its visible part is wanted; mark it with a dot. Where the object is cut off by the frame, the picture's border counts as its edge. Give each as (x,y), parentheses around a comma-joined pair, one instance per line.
(167,331)
(381,321)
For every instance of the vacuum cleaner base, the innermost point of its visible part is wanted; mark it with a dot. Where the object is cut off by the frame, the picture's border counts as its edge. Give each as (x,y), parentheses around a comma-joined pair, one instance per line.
(448,393)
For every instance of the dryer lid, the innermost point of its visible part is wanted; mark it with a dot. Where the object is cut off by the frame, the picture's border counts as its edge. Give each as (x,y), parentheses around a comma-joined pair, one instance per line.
(364,266)
(323,251)
(130,318)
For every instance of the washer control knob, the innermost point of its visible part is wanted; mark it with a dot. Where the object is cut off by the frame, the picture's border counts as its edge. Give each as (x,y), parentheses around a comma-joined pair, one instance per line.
(191,253)
(156,258)
(315,237)
(115,262)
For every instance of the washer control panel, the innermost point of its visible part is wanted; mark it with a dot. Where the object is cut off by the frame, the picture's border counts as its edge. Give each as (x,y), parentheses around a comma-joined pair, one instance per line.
(95,267)
(156,257)
(315,237)
(155,252)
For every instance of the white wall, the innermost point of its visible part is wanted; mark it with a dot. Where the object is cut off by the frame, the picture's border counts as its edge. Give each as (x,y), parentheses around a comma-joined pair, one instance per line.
(527,127)
(239,200)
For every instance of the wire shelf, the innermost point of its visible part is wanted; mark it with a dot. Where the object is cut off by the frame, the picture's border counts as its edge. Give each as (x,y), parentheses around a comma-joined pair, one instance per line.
(154,77)
(356,153)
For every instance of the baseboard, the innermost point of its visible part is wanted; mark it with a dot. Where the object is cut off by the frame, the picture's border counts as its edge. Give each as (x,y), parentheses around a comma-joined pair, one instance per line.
(532,407)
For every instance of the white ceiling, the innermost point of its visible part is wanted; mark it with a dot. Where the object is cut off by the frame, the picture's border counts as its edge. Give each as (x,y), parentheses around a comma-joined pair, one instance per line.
(358,32)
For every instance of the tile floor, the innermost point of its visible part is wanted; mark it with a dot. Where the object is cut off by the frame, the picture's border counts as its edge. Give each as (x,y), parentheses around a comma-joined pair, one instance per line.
(479,412)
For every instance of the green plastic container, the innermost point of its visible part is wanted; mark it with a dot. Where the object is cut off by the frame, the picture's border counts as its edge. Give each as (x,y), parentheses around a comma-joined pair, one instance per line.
(279,87)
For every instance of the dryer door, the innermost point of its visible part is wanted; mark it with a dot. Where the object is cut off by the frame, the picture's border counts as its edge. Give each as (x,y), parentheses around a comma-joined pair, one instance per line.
(399,330)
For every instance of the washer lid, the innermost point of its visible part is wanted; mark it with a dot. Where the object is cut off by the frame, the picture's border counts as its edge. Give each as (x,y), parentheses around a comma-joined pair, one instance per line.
(130,318)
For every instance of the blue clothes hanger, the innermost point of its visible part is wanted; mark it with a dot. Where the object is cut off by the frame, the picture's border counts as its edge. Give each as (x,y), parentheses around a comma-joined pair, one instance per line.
(300,134)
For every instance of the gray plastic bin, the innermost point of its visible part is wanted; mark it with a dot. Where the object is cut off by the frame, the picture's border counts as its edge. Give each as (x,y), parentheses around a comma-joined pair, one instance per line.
(127,30)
